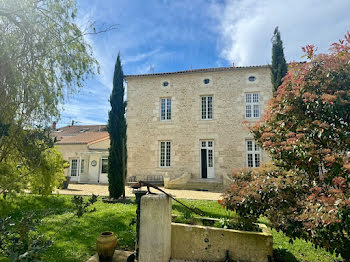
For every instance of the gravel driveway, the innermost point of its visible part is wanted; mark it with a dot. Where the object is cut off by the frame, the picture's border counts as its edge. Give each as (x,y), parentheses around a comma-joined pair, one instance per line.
(102,190)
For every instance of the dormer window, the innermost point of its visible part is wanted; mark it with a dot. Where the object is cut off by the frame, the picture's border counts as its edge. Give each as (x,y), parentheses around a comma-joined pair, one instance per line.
(206,81)
(84,130)
(251,78)
(165,84)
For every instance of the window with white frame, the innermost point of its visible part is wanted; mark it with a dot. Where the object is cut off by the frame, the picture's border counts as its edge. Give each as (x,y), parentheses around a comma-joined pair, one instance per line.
(253,154)
(104,165)
(207,107)
(252,108)
(74,167)
(82,162)
(165,109)
(165,154)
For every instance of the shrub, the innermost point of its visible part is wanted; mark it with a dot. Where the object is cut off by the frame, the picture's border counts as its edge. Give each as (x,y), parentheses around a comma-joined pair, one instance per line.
(306,131)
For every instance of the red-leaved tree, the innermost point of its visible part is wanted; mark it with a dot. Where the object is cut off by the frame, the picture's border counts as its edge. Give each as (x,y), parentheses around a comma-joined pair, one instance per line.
(306,131)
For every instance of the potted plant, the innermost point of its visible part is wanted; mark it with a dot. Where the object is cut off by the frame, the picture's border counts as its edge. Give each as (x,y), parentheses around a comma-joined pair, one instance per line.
(66,182)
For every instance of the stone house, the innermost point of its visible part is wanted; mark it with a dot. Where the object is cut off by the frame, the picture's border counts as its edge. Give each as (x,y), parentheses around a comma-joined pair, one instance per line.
(86,149)
(188,126)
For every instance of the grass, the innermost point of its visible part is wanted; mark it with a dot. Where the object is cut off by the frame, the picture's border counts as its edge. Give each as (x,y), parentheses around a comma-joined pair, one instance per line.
(75,238)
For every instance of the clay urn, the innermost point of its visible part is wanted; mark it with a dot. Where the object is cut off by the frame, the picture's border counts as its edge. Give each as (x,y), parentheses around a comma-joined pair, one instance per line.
(105,245)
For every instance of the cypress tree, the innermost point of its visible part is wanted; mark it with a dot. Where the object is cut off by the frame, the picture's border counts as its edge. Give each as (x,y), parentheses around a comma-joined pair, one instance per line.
(117,132)
(278,66)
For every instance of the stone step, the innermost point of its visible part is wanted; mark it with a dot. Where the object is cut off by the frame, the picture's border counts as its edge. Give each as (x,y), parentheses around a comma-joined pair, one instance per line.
(213,185)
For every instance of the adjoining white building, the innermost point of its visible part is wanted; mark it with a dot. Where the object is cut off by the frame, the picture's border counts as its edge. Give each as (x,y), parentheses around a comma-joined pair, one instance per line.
(188,126)
(86,149)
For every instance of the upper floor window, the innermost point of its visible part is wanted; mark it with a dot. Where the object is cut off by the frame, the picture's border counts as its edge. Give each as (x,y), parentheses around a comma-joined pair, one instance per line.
(207,107)
(251,78)
(252,108)
(165,83)
(253,154)
(165,109)
(206,81)
(165,154)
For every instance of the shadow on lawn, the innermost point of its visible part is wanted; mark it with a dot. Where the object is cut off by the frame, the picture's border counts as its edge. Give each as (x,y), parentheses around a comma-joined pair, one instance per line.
(283,255)
(20,205)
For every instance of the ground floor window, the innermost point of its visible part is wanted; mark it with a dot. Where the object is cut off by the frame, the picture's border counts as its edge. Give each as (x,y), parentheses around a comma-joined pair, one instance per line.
(253,154)
(165,154)
(104,165)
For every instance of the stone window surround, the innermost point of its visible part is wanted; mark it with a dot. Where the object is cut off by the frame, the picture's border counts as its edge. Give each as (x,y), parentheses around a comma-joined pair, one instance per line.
(166,109)
(166,154)
(252,104)
(206,109)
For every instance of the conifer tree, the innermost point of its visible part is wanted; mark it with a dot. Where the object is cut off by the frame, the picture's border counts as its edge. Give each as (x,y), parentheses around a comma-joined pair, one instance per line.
(278,66)
(117,133)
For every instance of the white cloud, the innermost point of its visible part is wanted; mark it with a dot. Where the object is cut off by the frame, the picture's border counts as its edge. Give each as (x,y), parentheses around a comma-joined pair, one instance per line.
(246,27)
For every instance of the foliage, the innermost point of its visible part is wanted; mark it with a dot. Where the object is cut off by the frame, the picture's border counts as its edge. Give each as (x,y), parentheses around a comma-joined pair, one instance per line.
(44,58)
(20,241)
(237,224)
(50,173)
(278,65)
(23,162)
(117,134)
(306,192)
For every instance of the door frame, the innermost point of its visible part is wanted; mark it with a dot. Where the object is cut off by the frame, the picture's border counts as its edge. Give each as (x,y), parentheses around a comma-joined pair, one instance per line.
(77,177)
(211,173)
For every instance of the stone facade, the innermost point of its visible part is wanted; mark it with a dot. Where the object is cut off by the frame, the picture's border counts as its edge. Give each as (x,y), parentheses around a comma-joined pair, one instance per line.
(186,130)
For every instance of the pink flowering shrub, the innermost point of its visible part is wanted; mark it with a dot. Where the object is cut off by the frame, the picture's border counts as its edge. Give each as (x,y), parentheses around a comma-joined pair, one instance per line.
(306,131)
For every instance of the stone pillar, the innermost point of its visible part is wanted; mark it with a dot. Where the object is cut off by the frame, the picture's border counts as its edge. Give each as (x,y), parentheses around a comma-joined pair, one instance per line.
(155,229)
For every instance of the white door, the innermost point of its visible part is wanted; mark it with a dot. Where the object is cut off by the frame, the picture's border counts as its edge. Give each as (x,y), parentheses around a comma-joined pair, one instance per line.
(76,168)
(207,159)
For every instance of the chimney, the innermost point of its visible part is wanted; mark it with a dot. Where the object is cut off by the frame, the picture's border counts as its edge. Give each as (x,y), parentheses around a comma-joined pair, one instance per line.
(54,125)
(233,64)
(191,68)
(72,122)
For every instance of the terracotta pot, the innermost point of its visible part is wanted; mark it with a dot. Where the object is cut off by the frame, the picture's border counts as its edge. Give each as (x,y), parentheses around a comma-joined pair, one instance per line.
(105,245)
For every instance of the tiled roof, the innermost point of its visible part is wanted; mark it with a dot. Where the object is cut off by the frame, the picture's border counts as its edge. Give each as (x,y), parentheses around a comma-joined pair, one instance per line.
(216,69)
(77,129)
(84,138)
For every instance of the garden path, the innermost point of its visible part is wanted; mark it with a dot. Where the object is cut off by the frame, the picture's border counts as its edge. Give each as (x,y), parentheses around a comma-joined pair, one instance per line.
(102,190)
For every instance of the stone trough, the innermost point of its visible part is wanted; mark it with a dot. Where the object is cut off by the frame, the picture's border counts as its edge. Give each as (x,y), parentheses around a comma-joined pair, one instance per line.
(161,240)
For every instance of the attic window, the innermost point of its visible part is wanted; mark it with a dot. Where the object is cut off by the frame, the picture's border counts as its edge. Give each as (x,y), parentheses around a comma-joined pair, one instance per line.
(251,78)
(165,83)
(206,81)
(60,130)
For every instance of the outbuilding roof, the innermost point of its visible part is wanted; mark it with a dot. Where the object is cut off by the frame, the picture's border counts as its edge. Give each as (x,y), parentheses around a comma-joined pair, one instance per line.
(84,138)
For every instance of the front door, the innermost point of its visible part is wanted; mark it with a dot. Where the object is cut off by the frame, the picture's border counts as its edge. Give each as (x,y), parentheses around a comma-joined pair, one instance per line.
(207,159)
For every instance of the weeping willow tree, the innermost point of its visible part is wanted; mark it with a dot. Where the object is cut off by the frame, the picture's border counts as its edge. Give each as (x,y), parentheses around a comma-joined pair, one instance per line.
(43,59)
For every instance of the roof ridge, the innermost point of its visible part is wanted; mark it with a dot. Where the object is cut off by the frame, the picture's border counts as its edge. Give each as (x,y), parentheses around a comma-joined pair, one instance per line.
(212,69)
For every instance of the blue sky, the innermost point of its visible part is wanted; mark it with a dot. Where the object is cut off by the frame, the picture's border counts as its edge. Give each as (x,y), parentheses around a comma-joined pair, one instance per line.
(173,35)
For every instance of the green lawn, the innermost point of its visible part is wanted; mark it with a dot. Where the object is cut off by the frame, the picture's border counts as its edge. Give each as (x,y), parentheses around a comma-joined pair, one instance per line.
(75,239)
